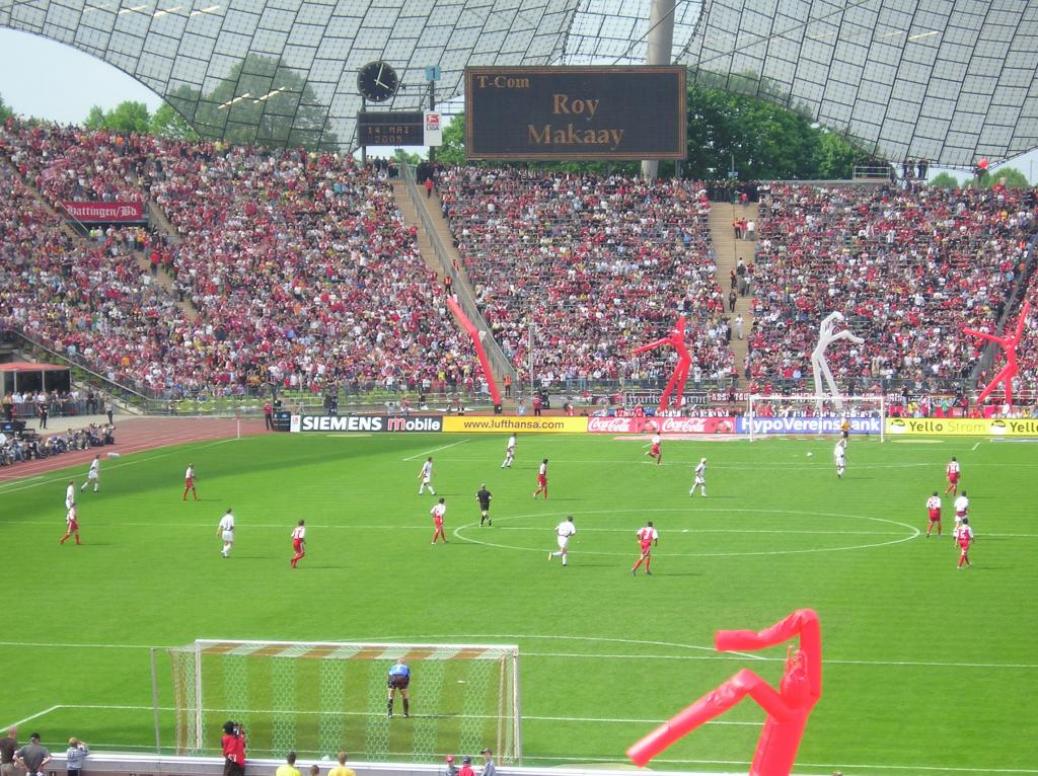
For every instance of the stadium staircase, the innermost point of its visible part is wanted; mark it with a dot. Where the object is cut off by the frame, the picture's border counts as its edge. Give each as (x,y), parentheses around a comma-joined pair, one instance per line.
(436,244)
(729,251)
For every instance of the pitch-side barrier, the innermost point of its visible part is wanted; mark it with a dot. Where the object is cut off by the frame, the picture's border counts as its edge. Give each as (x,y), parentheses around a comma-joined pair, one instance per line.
(103,764)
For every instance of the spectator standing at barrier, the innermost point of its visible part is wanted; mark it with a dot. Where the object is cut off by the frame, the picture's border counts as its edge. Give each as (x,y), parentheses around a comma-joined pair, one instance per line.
(8,402)
(233,745)
(41,413)
(75,757)
(489,769)
(289,768)
(8,748)
(466,767)
(341,769)
(268,416)
(33,756)
(536,404)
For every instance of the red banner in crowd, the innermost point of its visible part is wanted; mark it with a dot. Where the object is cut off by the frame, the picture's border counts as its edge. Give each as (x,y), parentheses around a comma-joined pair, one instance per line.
(105,212)
(643,425)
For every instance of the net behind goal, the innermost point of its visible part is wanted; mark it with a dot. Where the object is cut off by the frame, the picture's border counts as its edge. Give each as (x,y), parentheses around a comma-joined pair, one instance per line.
(319,698)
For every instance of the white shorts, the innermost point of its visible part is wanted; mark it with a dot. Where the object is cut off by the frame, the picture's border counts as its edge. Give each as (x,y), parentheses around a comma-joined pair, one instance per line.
(426,480)
(92,474)
(700,481)
(841,462)
(563,542)
(228,537)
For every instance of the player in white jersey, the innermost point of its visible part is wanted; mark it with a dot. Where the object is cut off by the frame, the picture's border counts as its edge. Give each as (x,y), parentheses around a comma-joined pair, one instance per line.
(425,475)
(700,480)
(94,474)
(298,543)
(840,457)
(438,511)
(226,532)
(933,513)
(70,494)
(962,509)
(648,537)
(71,525)
(563,531)
(509,453)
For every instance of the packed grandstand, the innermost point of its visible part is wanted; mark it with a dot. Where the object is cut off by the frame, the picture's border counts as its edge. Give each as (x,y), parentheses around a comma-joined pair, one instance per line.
(285,268)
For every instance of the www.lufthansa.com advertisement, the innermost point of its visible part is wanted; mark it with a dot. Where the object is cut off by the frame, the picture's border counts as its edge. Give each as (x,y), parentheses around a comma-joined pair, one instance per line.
(1009,427)
(497,424)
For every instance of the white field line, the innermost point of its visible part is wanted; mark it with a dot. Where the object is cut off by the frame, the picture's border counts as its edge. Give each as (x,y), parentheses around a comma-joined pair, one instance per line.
(31,717)
(437,449)
(975,447)
(590,656)
(32,482)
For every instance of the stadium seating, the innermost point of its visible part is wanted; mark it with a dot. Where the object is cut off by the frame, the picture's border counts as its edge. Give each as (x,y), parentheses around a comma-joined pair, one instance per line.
(297,267)
(908,268)
(597,265)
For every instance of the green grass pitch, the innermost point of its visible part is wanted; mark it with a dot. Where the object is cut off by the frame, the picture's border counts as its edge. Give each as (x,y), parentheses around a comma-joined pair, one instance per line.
(926,669)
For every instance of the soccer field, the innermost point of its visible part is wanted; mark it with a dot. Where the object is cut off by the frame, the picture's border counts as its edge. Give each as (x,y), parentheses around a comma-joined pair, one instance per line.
(926,669)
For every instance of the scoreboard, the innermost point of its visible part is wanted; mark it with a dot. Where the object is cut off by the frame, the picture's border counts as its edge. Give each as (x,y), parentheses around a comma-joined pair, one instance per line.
(560,113)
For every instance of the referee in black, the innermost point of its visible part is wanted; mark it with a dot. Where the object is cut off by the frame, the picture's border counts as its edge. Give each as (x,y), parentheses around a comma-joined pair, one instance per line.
(483,496)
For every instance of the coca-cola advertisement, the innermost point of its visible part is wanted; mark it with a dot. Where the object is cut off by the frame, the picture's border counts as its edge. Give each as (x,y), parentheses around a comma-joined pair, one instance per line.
(106,212)
(650,425)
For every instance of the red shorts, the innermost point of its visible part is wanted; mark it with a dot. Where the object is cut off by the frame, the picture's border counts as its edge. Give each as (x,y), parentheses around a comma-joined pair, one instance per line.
(935,517)
(655,450)
(297,545)
(73,525)
(438,522)
(646,547)
(542,480)
(964,546)
(953,478)
(189,483)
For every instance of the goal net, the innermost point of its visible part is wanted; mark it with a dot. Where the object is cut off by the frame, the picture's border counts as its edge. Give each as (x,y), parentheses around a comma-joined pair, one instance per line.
(319,698)
(801,414)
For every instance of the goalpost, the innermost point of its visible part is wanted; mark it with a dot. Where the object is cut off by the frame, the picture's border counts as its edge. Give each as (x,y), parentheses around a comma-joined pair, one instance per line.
(800,414)
(319,698)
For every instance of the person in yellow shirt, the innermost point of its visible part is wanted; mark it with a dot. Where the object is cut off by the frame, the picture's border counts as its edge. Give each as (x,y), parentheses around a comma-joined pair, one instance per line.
(289,768)
(341,769)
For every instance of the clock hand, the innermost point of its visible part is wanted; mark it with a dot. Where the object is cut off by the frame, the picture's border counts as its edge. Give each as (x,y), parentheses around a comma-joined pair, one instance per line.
(378,78)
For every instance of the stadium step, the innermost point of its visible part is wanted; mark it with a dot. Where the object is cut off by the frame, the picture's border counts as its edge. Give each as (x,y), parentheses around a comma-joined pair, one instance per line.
(729,250)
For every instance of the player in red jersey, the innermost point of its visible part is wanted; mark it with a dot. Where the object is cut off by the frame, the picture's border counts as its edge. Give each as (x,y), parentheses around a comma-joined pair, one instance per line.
(189,482)
(933,510)
(542,480)
(437,512)
(964,538)
(654,451)
(298,543)
(952,472)
(72,525)
(648,537)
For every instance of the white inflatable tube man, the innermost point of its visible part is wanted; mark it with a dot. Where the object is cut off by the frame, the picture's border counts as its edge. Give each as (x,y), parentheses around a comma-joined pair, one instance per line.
(820,366)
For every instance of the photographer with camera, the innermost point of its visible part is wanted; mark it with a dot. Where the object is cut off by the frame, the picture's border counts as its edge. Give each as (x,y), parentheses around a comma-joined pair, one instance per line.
(233,745)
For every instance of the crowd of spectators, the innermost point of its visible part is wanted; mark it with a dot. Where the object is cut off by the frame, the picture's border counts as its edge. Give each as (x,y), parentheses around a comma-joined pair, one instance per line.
(909,270)
(30,445)
(289,268)
(595,265)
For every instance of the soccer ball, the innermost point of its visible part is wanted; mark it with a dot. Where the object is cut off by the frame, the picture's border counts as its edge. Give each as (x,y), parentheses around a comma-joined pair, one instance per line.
(809,454)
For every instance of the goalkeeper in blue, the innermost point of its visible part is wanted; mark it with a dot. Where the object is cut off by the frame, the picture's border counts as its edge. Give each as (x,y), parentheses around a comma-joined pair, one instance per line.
(399,679)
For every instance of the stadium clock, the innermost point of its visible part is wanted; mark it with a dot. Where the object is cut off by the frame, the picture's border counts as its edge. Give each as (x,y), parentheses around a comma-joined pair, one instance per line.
(377,81)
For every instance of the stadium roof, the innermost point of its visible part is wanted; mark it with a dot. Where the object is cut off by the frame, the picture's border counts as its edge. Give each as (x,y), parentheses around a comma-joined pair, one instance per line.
(949,81)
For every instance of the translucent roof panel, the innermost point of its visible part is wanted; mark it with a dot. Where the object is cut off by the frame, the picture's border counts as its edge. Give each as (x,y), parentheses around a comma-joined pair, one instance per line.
(949,81)
(285,71)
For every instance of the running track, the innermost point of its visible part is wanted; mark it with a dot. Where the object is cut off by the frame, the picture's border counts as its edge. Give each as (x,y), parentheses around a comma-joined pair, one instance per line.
(132,435)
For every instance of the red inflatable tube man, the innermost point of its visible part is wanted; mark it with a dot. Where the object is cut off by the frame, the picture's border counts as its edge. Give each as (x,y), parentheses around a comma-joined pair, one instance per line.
(1009,344)
(676,339)
(787,708)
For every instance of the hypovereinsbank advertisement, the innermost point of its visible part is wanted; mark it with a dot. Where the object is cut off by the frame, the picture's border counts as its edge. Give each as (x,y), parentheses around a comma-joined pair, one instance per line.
(499,424)
(1023,427)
